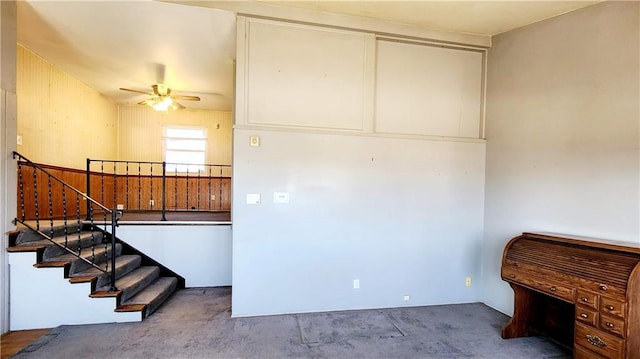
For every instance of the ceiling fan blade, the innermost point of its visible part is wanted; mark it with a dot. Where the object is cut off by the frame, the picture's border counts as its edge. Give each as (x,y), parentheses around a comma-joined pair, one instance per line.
(177,106)
(149,102)
(186,98)
(136,91)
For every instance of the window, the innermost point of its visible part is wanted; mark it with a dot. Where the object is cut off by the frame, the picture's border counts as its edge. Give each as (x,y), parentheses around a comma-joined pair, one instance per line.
(185,148)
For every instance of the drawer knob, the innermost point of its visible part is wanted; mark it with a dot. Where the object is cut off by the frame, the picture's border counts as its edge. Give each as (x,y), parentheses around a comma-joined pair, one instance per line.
(596,341)
(584,315)
(603,287)
(609,307)
(584,299)
(609,325)
(553,289)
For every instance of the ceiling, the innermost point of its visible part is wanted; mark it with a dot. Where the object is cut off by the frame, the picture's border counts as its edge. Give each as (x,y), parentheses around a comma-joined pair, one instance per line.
(138,43)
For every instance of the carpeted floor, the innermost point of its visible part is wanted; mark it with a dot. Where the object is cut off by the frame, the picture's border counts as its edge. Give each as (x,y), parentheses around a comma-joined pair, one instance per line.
(196,323)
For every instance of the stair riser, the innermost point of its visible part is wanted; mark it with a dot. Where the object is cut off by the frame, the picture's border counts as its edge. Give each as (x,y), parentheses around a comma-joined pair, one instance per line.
(101,257)
(85,242)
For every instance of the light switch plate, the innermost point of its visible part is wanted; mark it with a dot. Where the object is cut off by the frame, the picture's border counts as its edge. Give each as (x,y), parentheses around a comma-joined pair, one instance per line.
(254,141)
(280,197)
(253,198)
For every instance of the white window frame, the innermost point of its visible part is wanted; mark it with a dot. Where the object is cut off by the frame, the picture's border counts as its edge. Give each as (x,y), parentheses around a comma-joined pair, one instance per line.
(173,166)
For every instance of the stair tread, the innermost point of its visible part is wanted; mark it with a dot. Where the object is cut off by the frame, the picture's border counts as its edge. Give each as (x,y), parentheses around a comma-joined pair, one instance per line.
(153,291)
(45,227)
(135,275)
(135,281)
(121,261)
(86,253)
(83,235)
(25,248)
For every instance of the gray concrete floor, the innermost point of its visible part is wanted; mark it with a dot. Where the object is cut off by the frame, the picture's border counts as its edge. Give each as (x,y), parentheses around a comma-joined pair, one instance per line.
(197,323)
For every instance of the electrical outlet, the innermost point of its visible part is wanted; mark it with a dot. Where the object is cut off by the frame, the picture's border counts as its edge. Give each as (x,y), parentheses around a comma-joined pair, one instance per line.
(468,282)
(213,197)
(120,207)
(356,284)
(152,202)
(406,298)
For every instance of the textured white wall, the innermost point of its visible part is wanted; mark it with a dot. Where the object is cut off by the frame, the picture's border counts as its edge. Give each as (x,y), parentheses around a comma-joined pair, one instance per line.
(401,213)
(402,216)
(201,254)
(65,304)
(562,133)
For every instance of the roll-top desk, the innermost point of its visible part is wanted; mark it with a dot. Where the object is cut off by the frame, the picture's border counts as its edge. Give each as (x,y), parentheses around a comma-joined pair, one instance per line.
(583,293)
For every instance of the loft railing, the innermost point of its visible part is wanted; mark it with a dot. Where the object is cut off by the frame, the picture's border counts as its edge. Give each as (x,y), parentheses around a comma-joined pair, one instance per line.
(159,186)
(64,203)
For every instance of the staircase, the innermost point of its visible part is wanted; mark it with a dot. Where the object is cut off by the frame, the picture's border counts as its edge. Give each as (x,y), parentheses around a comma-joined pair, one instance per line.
(68,233)
(141,284)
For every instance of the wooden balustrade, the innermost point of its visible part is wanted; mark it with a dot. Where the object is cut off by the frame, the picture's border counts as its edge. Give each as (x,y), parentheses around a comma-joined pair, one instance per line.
(134,192)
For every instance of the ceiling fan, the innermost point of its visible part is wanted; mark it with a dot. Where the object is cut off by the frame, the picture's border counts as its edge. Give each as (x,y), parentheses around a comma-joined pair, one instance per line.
(161,98)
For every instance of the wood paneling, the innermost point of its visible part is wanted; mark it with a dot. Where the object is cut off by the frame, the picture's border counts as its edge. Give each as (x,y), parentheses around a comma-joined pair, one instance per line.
(61,120)
(134,192)
(141,131)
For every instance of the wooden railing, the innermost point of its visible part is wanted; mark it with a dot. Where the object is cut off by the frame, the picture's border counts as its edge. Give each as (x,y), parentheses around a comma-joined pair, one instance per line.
(149,186)
(136,186)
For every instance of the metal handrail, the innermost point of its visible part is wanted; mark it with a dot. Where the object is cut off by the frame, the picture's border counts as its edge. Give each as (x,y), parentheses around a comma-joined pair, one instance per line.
(113,213)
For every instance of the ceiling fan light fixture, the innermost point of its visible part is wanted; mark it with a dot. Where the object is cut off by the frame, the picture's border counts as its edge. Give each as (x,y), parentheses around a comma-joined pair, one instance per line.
(163,103)
(161,99)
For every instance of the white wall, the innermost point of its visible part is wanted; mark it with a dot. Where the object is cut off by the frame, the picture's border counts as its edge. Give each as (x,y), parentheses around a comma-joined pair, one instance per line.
(562,133)
(402,216)
(65,303)
(7,146)
(199,253)
(402,213)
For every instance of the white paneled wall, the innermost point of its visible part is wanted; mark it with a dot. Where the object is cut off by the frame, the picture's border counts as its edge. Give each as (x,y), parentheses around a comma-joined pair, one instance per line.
(61,120)
(427,89)
(401,215)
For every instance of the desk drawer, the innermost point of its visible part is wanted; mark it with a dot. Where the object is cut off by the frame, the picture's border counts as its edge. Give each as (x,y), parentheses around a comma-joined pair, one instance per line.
(612,307)
(599,342)
(612,324)
(587,315)
(588,299)
(543,285)
(582,353)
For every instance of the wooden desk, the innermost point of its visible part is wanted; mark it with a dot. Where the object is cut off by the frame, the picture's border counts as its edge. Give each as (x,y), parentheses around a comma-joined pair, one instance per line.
(584,293)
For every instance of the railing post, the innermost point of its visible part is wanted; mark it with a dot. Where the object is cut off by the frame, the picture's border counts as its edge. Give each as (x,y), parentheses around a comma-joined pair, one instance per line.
(114,218)
(88,185)
(164,190)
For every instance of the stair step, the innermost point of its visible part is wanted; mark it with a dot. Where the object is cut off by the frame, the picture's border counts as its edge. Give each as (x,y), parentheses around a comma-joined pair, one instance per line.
(73,241)
(151,297)
(26,235)
(124,264)
(135,281)
(29,247)
(100,254)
